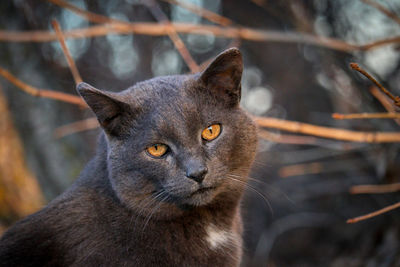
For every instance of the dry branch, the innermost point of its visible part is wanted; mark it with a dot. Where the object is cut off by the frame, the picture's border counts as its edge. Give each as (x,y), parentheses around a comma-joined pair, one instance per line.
(375,189)
(383,9)
(328,132)
(157,13)
(173,35)
(90,16)
(72,99)
(301,169)
(338,116)
(67,54)
(396,99)
(156,29)
(202,12)
(287,139)
(375,213)
(76,127)
(386,103)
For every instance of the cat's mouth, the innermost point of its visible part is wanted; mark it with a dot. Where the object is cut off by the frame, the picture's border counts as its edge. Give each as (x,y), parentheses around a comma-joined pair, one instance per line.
(202,190)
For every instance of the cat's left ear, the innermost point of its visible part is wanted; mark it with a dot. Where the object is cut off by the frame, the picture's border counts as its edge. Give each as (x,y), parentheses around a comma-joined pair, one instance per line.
(222,77)
(112,112)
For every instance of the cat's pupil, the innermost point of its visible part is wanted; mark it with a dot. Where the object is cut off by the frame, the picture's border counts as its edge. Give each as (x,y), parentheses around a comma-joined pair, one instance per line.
(210,130)
(156,147)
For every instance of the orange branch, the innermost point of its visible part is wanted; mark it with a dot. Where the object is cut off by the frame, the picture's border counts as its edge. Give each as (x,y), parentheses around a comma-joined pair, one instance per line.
(287,139)
(202,12)
(76,127)
(173,35)
(375,213)
(395,99)
(338,116)
(301,169)
(328,132)
(67,54)
(386,103)
(157,12)
(375,189)
(156,29)
(90,16)
(72,99)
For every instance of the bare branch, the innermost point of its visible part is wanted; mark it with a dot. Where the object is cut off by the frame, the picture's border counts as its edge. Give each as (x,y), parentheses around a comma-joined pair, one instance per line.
(386,103)
(90,16)
(72,99)
(383,9)
(202,12)
(375,189)
(156,29)
(287,139)
(375,213)
(328,132)
(173,35)
(67,54)
(338,116)
(395,99)
(76,127)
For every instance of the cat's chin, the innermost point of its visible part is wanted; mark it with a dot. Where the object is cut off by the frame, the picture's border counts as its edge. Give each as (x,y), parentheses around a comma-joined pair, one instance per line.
(200,197)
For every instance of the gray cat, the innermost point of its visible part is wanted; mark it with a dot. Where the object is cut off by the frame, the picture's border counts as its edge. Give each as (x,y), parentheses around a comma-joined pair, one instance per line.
(165,185)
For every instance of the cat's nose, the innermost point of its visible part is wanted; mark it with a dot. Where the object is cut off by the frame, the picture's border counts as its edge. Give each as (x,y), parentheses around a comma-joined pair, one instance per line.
(197,173)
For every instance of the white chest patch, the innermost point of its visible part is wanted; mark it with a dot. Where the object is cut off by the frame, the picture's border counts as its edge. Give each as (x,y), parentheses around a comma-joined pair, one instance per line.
(216,237)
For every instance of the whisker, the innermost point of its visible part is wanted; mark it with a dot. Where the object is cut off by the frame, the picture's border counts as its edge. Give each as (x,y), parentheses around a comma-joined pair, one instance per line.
(155,208)
(269,187)
(146,202)
(256,191)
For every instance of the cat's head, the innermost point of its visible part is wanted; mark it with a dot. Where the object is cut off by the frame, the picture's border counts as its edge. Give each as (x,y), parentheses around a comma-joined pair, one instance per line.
(181,141)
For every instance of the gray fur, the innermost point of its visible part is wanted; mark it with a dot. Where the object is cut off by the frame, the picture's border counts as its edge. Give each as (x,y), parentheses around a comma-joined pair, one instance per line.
(130,209)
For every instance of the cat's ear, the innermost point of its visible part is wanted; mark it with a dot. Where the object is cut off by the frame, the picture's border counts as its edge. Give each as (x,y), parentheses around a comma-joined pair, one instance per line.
(112,113)
(222,77)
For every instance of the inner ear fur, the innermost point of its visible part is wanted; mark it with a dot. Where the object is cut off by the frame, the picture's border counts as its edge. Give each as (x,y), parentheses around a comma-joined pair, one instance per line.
(223,76)
(112,113)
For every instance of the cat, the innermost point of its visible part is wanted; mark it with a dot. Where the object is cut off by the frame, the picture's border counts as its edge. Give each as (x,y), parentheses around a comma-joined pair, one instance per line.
(165,185)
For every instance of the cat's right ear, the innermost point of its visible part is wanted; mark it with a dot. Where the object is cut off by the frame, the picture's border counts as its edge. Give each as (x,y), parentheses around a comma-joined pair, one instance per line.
(112,113)
(222,77)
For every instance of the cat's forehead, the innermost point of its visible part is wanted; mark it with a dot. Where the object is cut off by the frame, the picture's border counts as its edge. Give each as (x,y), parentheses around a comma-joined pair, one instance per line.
(175,96)
(163,88)
(173,105)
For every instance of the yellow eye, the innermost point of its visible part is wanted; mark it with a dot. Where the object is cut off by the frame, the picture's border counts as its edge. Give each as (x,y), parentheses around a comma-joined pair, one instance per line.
(157,150)
(211,132)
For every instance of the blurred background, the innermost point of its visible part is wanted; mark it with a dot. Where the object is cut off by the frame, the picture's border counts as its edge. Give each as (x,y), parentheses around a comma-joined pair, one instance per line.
(305,179)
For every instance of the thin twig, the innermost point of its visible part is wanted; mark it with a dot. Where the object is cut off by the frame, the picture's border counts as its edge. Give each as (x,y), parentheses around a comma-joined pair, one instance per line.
(303,140)
(202,12)
(287,139)
(76,127)
(395,99)
(383,9)
(67,54)
(72,99)
(375,189)
(386,103)
(157,12)
(173,35)
(156,29)
(328,132)
(375,213)
(338,116)
(301,169)
(93,17)
(227,32)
